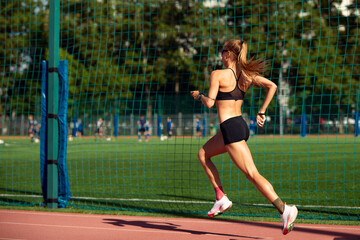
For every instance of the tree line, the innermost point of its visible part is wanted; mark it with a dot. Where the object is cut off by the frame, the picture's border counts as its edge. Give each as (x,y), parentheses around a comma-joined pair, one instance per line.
(145,56)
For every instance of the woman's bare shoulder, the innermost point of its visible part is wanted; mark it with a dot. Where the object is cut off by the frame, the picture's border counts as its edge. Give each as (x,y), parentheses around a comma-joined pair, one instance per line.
(219,72)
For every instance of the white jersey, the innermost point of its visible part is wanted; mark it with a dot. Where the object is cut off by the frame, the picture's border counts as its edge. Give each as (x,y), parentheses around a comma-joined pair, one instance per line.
(99,124)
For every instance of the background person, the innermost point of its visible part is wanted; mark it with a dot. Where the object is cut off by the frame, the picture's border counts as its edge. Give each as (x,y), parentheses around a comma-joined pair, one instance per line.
(198,127)
(252,127)
(169,126)
(33,129)
(213,129)
(141,127)
(147,130)
(79,128)
(99,128)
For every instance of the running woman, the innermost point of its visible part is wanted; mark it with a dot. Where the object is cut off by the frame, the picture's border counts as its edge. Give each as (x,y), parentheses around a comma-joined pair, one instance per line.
(227,88)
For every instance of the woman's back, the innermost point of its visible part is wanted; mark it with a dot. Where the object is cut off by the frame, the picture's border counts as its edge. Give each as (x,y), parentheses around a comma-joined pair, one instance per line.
(227,83)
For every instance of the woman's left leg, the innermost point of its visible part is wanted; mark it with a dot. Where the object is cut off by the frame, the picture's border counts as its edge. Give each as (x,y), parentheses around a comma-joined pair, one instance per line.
(241,156)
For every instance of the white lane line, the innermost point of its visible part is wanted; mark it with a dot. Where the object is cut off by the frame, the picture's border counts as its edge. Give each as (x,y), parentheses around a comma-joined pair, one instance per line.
(176,201)
(333,227)
(93,228)
(11,238)
(119,217)
(173,231)
(177,220)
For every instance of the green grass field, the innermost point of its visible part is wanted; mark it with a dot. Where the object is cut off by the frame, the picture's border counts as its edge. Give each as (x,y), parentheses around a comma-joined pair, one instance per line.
(320,174)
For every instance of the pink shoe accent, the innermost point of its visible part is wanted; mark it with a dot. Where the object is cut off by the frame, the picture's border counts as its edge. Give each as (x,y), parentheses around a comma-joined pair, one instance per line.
(220,207)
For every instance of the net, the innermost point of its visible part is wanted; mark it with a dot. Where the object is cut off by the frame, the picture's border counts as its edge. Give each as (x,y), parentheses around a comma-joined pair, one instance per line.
(129,59)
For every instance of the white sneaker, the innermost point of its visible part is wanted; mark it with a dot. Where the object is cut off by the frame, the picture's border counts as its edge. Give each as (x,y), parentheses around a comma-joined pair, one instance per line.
(220,207)
(288,217)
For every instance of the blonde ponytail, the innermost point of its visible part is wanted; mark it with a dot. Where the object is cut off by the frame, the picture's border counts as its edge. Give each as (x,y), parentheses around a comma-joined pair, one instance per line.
(251,68)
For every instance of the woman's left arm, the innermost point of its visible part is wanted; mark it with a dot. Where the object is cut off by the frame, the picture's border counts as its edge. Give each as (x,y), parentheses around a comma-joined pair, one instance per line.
(271,89)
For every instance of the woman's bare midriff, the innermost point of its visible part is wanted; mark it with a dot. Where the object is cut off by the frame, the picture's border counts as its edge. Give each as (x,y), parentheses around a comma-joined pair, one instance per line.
(228,109)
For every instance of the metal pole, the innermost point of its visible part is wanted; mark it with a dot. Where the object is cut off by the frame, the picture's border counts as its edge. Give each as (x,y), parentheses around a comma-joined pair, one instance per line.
(357,115)
(303,117)
(159,120)
(52,102)
(281,97)
(179,127)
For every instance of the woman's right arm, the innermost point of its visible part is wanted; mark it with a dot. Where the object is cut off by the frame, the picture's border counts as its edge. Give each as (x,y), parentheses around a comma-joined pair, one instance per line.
(209,100)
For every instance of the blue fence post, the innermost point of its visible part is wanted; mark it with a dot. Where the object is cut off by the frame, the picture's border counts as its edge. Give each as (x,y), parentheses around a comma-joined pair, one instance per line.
(59,189)
(303,125)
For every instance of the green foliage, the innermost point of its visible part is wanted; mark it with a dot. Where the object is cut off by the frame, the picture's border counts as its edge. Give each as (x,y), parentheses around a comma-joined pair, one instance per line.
(129,52)
(21,49)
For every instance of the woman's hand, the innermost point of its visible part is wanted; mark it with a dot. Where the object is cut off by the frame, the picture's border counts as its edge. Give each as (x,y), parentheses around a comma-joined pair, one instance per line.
(195,94)
(260,120)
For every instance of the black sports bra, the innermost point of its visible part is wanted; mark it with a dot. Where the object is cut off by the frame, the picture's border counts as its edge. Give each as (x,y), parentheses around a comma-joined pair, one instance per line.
(236,94)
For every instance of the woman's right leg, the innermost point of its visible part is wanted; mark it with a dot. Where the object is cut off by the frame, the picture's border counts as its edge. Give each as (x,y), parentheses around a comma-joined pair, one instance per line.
(213,147)
(241,156)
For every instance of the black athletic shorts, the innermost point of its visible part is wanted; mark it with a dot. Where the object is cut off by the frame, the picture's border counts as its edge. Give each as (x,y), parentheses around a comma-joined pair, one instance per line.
(234,130)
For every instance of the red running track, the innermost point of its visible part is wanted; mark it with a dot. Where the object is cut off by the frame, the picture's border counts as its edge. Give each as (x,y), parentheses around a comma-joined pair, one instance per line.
(19,225)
